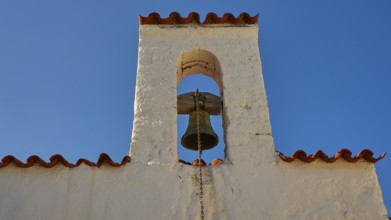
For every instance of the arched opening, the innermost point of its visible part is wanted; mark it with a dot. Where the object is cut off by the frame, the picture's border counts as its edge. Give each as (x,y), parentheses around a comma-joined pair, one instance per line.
(199,69)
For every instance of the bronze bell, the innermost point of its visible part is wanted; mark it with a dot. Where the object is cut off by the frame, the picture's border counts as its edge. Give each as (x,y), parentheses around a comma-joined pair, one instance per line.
(209,138)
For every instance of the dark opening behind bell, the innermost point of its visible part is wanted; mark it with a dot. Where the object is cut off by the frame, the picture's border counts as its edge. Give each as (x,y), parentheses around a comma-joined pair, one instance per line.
(209,138)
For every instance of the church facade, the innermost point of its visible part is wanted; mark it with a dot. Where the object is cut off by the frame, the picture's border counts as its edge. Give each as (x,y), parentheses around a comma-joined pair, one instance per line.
(253,181)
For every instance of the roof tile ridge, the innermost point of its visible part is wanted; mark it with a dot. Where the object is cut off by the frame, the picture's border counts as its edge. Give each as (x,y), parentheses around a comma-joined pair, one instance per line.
(150,19)
(84,161)
(196,162)
(105,158)
(126,159)
(302,155)
(243,18)
(285,158)
(173,18)
(367,155)
(184,162)
(247,18)
(57,159)
(323,156)
(32,160)
(194,17)
(346,154)
(214,162)
(7,160)
(211,18)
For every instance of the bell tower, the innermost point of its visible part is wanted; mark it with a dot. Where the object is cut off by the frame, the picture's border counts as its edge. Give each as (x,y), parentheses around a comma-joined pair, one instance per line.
(223,48)
(252,182)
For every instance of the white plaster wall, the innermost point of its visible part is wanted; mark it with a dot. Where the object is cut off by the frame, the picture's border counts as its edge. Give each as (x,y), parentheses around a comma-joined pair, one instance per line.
(252,183)
(274,191)
(245,115)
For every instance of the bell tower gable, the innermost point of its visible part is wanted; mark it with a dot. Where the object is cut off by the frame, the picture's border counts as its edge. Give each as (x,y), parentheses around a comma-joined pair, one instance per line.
(225,50)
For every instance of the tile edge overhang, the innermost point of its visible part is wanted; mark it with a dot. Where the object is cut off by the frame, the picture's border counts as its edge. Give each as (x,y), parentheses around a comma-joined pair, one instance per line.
(345,154)
(105,159)
(214,162)
(59,159)
(194,19)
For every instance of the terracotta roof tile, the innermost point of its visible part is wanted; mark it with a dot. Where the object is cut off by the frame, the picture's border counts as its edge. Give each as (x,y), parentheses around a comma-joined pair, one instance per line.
(196,162)
(214,162)
(194,18)
(184,162)
(344,153)
(105,159)
(58,159)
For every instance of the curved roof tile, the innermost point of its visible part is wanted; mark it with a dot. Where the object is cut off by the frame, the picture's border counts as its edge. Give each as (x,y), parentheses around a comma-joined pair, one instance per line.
(105,159)
(58,159)
(194,18)
(214,162)
(196,162)
(344,153)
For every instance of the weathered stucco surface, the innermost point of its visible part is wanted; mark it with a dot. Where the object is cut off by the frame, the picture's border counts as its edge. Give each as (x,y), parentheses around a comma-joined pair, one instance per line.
(230,55)
(252,183)
(276,190)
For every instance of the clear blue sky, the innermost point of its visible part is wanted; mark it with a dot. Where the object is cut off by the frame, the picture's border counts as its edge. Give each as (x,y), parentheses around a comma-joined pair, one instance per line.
(68,70)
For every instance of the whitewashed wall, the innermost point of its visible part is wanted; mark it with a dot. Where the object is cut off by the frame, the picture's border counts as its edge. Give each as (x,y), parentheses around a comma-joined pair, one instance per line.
(270,191)
(252,183)
(246,116)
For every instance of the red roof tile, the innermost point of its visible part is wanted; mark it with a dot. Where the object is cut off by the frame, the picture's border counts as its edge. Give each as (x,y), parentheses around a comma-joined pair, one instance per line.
(197,163)
(214,162)
(344,153)
(194,18)
(58,159)
(184,162)
(105,159)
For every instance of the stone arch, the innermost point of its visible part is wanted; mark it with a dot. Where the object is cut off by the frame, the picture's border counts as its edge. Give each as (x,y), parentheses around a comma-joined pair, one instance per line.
(197,61)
